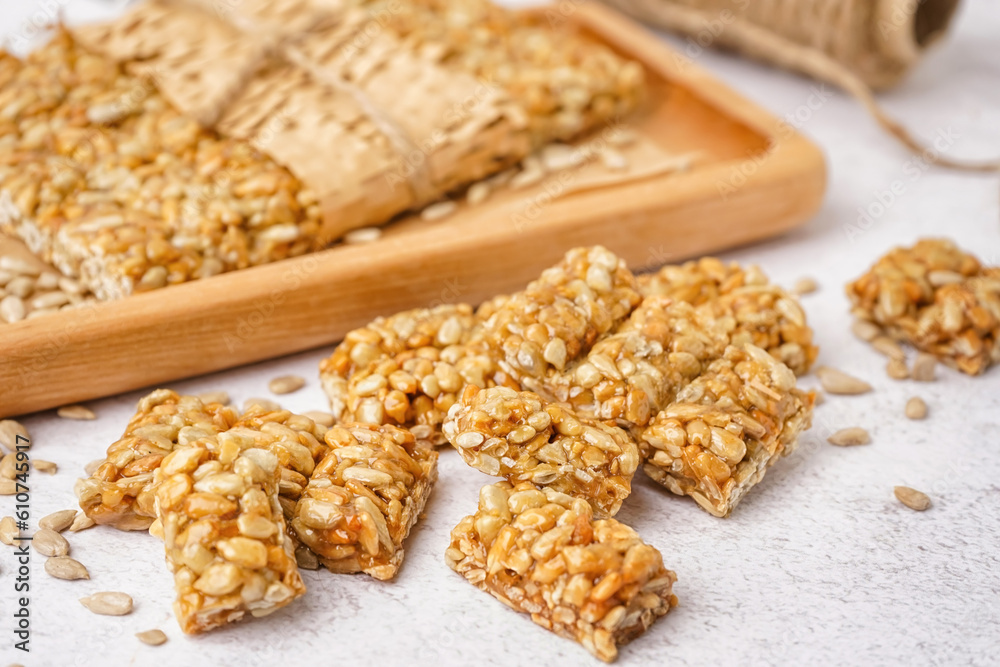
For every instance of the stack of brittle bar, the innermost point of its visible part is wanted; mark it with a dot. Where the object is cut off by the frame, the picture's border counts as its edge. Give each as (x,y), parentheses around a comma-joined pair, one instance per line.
(564,390)
(233,495)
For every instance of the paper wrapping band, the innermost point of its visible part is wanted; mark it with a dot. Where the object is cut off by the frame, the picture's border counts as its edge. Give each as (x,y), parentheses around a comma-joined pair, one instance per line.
(301,86)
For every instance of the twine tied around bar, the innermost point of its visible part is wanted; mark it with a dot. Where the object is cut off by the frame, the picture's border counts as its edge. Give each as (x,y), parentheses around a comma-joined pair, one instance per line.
(856,45)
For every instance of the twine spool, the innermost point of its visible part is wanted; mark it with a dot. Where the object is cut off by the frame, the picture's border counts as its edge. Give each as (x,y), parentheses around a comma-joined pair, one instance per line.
(857,45)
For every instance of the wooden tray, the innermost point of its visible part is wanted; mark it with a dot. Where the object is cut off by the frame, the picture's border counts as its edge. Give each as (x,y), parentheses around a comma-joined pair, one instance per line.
(757,178)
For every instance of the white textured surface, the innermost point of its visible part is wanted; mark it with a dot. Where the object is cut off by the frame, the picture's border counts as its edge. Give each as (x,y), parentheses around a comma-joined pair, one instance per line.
(818,565)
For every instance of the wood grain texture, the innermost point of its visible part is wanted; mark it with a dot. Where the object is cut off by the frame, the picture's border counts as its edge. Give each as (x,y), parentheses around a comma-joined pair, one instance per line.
(759,178)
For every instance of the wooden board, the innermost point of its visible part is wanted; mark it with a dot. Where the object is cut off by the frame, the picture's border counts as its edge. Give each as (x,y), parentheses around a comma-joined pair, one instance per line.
(756,178)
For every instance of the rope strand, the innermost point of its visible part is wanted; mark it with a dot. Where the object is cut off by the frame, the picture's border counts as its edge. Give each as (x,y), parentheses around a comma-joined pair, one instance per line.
(856,45)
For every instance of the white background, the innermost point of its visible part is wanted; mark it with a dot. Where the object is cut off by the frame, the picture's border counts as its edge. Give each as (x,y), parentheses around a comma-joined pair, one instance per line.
(818,565)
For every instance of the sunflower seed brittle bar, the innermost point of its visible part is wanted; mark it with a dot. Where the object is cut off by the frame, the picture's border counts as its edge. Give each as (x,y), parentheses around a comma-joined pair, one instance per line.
(119,493)
(744,302)
(769,317)
(225,537)
(634,372)
(726,428)
(542,552)
(364,497)
(559,316)
(178,142)
(408,369)
(521,438)
(117,188)
(937,298)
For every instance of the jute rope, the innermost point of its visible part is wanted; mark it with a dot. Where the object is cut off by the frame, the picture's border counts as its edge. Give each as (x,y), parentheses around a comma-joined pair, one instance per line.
(857,45)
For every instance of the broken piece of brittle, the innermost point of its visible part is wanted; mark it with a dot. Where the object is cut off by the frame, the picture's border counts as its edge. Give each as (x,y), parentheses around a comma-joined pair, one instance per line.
(364,496)
(747,306)
(542,552)
(937,298)
(119,493)
(225,537)
(516,435)
(726,428)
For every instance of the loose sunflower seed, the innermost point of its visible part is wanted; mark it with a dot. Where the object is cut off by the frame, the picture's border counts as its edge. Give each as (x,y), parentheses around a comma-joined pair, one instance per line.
(440,210)
(840,383)
(527,178)
(923,367)
(22,287)
(214,397)
(622,137)
(8,487)
(896,369)
(39,313)
(888,347)
(76,412)
(865,330)
(8,531)
(58,521)
(49,300)
(614,160)
(70,286)
(286,384)
(47,281)
(64,567)
(12,309)
(478,193)
(108,603)
(503,178)
(306,559)
(8,466)
(9,430)
(362,235)
(152,637)
(49,543)
(849,437)
(41,465)
(264,403)
(16,264)
(92,466)
(320,417)
(805,285)
(916,408)
(81,522)
(557,157)
(915,500)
